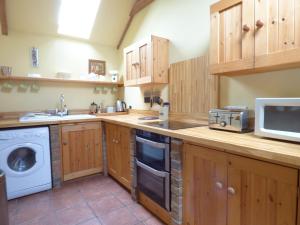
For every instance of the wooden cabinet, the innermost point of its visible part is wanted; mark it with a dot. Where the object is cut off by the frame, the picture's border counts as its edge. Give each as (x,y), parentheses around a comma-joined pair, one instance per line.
(81,150)
(231,46)
(118,153)
(249,36)
(224,189)
(147,62)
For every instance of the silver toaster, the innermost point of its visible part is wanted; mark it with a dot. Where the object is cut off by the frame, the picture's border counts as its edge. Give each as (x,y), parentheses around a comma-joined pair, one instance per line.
(230,118)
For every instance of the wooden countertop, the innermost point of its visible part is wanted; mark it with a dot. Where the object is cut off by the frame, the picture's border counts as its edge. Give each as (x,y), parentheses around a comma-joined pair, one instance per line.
(285,153)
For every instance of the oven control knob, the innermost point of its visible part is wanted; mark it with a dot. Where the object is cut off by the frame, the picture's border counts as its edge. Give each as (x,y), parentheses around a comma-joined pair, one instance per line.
(223,124)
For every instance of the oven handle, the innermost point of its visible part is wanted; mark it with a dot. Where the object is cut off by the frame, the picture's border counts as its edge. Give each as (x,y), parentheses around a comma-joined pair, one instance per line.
(151,170)
(151,143)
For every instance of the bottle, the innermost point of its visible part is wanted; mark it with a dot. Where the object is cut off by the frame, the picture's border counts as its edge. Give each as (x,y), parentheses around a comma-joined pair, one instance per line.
(164,111)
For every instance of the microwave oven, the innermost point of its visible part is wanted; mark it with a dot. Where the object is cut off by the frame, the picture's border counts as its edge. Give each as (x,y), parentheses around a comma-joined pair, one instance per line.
(278,118)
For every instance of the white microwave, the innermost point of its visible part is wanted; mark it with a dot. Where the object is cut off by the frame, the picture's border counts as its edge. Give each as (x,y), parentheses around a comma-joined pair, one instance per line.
(278,118)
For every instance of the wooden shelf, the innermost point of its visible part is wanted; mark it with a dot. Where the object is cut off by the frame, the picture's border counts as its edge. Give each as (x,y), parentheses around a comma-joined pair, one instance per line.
(59,80)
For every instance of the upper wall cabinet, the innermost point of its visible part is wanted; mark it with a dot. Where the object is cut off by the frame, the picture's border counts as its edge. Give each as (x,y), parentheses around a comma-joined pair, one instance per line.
(147,62)
(249,36)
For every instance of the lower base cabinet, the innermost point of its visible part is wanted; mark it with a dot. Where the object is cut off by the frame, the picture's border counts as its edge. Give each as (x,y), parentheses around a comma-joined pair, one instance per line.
(223,189)
(118,153)
(81,150)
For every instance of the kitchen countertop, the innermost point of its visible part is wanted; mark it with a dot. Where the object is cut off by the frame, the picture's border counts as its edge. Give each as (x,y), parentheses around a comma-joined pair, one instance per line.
(285,153)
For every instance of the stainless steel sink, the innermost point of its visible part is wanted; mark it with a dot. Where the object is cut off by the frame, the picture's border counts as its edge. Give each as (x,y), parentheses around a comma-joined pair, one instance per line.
(149,118)
(43,117)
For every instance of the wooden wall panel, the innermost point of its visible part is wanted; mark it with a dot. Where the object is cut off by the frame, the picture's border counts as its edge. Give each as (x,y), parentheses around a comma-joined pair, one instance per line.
(192,90)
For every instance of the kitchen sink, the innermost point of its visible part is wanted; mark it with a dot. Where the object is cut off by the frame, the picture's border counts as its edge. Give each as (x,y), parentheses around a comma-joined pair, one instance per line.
(149,118)
(43,117)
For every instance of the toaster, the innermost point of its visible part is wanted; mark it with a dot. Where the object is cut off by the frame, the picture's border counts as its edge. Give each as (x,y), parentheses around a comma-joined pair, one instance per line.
(230,118)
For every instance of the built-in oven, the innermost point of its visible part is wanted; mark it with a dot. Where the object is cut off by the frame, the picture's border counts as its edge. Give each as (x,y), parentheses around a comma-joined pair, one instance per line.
(153,166)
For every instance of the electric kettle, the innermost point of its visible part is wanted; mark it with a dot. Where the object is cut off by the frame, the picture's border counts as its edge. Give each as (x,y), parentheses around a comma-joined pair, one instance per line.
(120,106)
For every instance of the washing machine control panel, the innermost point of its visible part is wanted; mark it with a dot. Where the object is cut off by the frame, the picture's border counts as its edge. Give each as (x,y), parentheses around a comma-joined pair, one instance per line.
(24,135)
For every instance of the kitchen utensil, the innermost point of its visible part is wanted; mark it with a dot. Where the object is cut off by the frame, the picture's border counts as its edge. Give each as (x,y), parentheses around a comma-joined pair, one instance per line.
(230,118)
(120,106)
(110,109)
(93,108)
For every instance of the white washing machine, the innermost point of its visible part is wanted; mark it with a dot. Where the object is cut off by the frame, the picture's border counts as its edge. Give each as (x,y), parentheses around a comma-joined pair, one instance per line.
(25,159)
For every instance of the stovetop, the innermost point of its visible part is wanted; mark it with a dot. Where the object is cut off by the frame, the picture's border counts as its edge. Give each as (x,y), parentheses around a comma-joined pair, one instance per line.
(173,125)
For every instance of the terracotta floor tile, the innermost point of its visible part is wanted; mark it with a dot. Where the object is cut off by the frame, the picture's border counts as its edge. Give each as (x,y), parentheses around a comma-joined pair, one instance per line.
(140,212)
(94,221)
(153,221)
(124,197)
(49,219)
(66,201)
(105,205)
(33,211)
(119,217)
(113,187)
(74,215)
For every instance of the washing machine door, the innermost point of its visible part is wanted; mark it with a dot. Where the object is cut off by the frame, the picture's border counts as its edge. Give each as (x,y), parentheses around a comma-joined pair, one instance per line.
(22,160)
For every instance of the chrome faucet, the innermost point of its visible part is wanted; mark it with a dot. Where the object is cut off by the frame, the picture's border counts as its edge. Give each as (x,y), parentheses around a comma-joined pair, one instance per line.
(62,111)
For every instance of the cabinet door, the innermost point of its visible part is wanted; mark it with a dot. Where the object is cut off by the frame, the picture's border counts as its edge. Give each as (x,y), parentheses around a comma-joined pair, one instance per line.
(111,150)
(124,155)
(232,36)
(261,193)
(204,186)
(277,38)
(144,63)
(81,150)
(131,67)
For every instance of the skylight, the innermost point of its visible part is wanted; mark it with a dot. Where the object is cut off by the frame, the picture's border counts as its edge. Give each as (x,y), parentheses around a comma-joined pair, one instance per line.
(77,17)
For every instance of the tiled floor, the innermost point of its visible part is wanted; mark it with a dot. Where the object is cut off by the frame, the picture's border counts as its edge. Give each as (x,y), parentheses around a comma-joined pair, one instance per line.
(96,200)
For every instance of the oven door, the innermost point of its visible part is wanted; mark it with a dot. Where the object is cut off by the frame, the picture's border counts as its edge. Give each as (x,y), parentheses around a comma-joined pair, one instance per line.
(153,154)
(155,184)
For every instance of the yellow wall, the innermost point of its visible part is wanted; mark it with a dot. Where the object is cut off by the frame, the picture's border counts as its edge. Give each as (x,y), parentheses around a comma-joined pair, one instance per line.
(186,24)
(56,54)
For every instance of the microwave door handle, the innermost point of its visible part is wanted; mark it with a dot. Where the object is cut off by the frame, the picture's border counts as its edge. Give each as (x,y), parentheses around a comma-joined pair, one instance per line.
(151,143)
(151,170)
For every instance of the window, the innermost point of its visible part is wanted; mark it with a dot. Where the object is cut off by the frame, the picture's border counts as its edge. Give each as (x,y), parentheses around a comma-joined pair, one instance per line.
(77,17)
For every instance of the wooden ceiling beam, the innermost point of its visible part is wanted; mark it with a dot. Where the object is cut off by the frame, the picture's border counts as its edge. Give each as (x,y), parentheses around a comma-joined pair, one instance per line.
(137,7)
(3,18)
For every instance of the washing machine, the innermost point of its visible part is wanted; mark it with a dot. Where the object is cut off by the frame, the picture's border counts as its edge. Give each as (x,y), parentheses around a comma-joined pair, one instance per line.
(25,160)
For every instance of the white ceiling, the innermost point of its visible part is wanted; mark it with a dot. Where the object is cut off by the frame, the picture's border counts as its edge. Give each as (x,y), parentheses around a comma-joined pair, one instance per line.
(40,16)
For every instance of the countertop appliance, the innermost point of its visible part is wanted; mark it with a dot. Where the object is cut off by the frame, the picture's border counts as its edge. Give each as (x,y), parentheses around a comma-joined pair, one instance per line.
(153,166)
(25,159)
(3,201)
(120,106)
(230,118)
(278,118)
(173,125)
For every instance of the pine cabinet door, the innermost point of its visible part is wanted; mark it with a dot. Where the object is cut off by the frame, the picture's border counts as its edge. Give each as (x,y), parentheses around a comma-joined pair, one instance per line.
(261,193)
(144,63)
(131,69)
(204,186)
(124,155)
(277,35)
(81,150)
(232,36)
(111,150)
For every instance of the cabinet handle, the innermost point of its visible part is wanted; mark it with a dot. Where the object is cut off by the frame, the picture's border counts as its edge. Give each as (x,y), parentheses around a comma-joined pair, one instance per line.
(219,185)
(246,28)
(117,142)
(259,24)
(65,143)
(113,140)
(231,191)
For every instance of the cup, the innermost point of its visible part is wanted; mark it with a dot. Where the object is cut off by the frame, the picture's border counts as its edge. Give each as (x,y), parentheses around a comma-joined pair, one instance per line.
(6,70)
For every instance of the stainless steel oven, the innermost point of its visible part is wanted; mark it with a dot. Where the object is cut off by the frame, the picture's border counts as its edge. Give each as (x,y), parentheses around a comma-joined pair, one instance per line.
(153,166)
